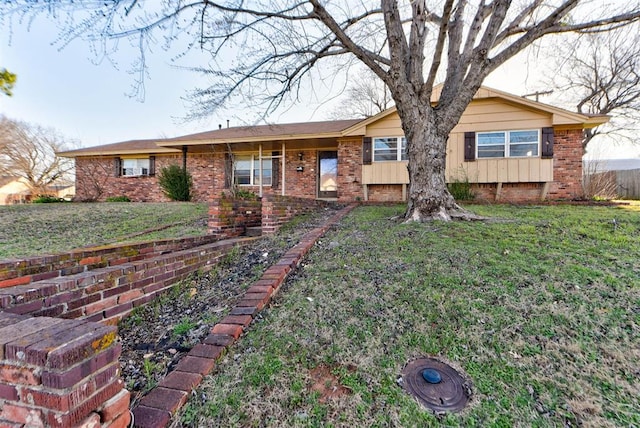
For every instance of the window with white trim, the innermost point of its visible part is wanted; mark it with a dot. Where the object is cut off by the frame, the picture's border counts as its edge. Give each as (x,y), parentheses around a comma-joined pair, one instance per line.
(387,149)
(508,144)
(133,167)
(246,170)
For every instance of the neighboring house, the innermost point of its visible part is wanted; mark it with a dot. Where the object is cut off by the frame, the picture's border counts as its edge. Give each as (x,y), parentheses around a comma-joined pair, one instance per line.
(13,190)
(510,148)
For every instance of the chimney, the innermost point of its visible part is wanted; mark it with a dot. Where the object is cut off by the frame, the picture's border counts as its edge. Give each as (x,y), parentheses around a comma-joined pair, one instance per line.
(227,123)
(219,126)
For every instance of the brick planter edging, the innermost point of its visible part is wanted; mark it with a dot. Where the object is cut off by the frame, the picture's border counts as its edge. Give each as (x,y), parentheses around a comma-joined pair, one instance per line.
(160,404)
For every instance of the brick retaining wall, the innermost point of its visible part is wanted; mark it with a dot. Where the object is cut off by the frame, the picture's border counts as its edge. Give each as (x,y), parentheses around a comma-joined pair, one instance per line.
(60,373)
(277,210)
(33,269)
(230,217)
(109,293)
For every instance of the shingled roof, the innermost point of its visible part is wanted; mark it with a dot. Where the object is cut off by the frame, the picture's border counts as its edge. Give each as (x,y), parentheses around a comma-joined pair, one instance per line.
(124,147)
(329,128)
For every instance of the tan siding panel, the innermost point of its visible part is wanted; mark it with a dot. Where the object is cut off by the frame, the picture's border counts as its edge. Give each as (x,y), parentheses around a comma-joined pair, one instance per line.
(385,173)
(546,169)
(389,126)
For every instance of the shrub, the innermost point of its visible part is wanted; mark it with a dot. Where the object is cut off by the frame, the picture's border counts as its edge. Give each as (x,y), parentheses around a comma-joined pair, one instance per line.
(176,183)
(460,188)
(118,199)
(46,199)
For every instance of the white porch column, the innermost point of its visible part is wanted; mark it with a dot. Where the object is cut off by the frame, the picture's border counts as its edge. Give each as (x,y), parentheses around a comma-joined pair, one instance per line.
(260,167)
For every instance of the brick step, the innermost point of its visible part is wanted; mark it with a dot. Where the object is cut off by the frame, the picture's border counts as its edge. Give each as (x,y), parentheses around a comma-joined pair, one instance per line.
(109,293)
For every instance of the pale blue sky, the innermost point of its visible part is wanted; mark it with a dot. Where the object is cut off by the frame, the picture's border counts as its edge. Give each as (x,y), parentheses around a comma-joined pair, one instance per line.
(66,90)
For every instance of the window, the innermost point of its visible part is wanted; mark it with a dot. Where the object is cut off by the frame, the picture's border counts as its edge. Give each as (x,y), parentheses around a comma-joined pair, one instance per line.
(502,144)
(387,149)
(134,167)
(246,170)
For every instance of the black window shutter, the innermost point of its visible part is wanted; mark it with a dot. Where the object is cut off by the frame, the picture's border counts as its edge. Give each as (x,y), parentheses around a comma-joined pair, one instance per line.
(275,169)
(469,146)
(366,151)
(547,143)
(117,167)
(152,165)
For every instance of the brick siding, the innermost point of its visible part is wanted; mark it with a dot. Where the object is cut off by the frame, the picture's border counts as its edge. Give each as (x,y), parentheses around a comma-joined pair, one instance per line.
(567,165)
(350,170)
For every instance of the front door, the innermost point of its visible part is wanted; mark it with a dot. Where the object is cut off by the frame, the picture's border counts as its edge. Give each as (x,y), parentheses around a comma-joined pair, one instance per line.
(328,174)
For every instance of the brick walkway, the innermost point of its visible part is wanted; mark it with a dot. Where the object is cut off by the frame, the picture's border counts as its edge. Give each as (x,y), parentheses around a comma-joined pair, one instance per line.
(157,407)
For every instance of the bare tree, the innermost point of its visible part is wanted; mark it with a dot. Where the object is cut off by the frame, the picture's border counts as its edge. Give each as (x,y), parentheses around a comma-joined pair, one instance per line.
(600,74)
(365,96)
(277,46)
(29,152)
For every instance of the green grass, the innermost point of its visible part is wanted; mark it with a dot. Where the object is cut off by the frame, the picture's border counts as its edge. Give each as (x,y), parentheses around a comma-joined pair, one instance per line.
(540,307)
(27,230)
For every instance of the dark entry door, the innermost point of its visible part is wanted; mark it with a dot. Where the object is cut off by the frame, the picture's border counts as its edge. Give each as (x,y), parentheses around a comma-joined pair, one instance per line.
(328,174)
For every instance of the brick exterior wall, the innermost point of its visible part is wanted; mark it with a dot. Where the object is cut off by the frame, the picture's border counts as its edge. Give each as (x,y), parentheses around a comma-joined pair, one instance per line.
(384,192)
(96,179)
(60,373)
(567,165)
(510,192)
(350,169)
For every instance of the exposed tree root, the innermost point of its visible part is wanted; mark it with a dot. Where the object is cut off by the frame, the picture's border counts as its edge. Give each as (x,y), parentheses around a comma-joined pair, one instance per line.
(454,213)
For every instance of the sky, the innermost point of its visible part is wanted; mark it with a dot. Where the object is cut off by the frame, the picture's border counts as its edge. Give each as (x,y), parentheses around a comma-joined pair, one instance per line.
(91,101)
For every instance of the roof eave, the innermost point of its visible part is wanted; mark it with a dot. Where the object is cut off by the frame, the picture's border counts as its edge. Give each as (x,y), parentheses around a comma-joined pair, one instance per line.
(256,139)
(78,153)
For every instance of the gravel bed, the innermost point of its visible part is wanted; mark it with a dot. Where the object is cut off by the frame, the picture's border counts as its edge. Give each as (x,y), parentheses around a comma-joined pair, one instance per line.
(154,337)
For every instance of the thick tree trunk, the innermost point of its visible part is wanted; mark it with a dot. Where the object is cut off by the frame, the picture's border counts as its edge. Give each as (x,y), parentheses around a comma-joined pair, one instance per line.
(429,197)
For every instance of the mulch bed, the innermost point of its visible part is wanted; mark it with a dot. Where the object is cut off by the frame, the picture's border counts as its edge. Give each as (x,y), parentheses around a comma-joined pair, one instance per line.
(155,337)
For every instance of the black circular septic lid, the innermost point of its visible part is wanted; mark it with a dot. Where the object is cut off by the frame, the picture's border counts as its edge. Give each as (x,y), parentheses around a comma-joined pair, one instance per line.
(436,385)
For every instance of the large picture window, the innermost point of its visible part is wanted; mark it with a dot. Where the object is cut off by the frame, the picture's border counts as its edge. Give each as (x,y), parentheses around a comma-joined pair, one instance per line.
(388,149)
(133,167)
(247,170)
(502,144)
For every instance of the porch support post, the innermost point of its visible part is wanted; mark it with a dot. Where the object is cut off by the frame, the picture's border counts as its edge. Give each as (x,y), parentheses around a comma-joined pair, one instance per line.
(184,158)
(283,154)
(260,166)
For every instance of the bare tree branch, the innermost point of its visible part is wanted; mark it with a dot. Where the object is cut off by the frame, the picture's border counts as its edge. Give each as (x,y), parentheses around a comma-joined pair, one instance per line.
(29,152)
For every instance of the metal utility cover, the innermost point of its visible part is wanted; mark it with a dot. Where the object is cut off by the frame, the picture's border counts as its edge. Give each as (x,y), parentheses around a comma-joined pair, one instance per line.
(451,394)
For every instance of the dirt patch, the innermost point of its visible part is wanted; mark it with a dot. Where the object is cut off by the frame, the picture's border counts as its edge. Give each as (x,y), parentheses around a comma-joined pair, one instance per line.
(327,384)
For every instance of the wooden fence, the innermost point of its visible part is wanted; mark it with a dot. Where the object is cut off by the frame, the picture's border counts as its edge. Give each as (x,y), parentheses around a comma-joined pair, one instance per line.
(624,183)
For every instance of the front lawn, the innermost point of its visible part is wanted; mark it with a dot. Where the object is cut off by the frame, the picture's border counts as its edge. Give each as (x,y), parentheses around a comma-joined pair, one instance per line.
(540,307)
(36,229)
